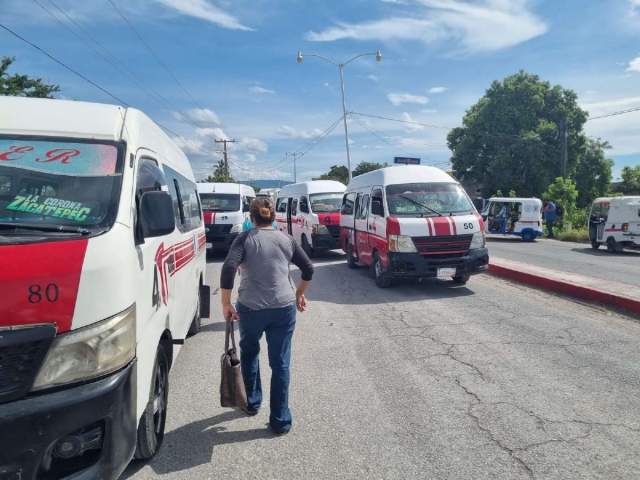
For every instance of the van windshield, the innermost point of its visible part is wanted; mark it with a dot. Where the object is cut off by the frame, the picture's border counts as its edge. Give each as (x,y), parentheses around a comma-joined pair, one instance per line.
(220,202)
(50,184)
(326,202)
(427,199)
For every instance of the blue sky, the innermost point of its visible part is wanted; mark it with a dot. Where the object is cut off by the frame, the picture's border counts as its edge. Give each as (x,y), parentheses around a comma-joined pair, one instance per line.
(237,59)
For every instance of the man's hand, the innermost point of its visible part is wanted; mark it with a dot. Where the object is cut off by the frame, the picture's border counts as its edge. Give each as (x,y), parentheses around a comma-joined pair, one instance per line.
(229,313)
(301,303)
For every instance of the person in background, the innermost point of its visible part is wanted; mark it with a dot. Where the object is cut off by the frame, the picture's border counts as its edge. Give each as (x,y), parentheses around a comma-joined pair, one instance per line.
(550,216)
(248,225)
(267,303)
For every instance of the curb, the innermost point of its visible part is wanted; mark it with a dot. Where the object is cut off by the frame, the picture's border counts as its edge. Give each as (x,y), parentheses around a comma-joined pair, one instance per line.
(571,289)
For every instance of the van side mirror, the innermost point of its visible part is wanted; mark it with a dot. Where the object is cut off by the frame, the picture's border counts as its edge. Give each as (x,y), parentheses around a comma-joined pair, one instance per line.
(156,215)
(376,207)
(245,207)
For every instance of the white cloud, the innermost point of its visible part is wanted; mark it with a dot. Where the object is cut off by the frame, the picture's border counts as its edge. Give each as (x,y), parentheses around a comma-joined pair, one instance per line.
(481,26)
(262,90)
(205,10)
(400,98)
(202,117)
(251,145)
(634,65)
(408,126)
(590,92)
(373,78)
(293,133)
(634,6)
(428,110)
(438,89)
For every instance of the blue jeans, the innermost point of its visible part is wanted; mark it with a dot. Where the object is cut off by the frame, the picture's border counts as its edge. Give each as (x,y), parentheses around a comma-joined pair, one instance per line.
(278,324)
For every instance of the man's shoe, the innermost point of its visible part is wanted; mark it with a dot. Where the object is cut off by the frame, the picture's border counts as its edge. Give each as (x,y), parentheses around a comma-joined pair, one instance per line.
(283,432)
(249,411)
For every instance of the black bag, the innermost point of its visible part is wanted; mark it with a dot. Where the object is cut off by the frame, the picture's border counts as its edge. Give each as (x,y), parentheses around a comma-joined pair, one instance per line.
(559,211)
(232,391)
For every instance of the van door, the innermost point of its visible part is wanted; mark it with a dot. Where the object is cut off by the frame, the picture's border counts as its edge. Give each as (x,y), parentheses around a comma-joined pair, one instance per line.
(289,219)
(376,225)
(295,224)
(362,229)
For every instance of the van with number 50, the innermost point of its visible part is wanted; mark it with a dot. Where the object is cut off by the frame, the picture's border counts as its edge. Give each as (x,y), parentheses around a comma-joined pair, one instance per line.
(412,222)
(103,278)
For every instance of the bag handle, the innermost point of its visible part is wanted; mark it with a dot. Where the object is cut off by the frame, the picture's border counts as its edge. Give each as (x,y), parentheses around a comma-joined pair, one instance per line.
(229,333)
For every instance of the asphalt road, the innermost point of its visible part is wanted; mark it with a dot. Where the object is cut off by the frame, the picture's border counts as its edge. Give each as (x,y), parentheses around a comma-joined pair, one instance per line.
(431,380)
(571,257)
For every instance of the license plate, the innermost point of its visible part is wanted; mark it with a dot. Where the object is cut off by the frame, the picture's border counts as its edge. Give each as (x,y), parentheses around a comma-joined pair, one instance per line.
(209,245)
(446,272)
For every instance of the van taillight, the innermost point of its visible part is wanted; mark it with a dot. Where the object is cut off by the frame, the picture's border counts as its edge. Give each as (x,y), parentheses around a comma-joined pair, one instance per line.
(625,227)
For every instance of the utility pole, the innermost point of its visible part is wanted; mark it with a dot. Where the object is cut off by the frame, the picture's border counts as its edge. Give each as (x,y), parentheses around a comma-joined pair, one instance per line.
(224,152)
(295,156)
(564,132)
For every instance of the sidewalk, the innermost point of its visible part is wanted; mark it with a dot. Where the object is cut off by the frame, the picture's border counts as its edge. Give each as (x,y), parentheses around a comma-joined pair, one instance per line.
(592,289)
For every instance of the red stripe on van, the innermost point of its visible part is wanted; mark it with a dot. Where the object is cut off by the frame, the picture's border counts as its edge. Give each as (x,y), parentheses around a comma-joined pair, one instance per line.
(441,225)
(393,226)
(209,218)
(39,282)
(329,218)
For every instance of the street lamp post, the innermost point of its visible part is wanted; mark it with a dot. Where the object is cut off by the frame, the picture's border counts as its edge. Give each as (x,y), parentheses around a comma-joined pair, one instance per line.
(341,66)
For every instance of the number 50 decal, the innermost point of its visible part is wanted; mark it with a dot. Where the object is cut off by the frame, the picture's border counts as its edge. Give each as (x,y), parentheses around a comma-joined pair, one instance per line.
(468,226)
(37,294)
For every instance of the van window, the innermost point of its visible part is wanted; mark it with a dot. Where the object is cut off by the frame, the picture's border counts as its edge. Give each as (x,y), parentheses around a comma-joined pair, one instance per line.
(377,193)
(294,207)
(150,178)
(304,205)
(427,199)
(281,206)
(185,200)
(220,202)
(326,202)
(348,202)
(363,210)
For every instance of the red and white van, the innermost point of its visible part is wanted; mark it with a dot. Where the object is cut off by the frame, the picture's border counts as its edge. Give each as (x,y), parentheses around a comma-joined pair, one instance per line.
(412,222)
(615,222)
(103,277)
(310,212)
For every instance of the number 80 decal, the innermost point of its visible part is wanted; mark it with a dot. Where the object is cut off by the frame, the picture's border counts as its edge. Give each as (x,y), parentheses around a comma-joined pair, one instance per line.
(37,294)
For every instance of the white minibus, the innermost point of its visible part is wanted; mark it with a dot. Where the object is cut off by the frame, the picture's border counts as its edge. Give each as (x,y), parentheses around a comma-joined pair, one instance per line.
(310,212)
(412,222)
(225,207)
(103,277)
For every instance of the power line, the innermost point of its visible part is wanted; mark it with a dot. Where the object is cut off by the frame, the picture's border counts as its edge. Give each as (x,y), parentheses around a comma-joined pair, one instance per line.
(401,121)
(373,132)
(630,110)
(165,67)
(64,65)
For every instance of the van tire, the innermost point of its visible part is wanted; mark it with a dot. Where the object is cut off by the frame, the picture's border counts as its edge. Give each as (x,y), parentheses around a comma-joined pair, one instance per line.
(351,262)
(528,236)
(196,323)
(382,280)
(154,419)
(461,279)
(595,245)
(613,246)
(306,247)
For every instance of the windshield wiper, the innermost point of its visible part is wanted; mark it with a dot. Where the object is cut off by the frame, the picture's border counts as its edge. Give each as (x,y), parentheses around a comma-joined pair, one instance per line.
(420,205)
(46,228)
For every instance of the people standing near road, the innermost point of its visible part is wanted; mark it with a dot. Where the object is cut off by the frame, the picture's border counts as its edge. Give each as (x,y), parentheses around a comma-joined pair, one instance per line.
(550,215)
(267,303)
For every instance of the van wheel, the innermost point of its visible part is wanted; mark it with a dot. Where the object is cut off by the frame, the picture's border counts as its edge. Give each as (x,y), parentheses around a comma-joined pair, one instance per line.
(461,279)
(595,245)
(613,246)
(382,280)
(306,247)
(528,237)
(154,418)
(351,262)
(197,319)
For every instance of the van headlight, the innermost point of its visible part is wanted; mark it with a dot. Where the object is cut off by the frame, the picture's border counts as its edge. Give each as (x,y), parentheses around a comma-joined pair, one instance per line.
(401,243)
(89,352)
(319,230)
(237,228)
(478,241)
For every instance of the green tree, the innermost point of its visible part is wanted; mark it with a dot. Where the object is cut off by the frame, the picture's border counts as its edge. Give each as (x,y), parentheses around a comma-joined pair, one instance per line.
(510,140)
(22,85)
(366,167)
(563,192)
(593,172)
(337,173)
(630,178)
(220,175)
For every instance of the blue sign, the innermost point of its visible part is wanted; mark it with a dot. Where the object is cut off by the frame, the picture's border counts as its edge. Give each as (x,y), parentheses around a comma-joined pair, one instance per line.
(406,160)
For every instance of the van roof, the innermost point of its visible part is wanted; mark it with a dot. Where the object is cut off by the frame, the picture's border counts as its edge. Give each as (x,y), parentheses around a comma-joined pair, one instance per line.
(64,118)
(315,186)
(512,200)
(397,175)
(630,200)
(223,188)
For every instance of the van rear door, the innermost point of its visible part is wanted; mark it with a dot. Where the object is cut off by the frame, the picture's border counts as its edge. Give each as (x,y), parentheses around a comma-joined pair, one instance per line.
(362,228)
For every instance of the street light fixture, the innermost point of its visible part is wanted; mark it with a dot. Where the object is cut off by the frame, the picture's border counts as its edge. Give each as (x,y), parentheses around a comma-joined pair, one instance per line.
(341,66)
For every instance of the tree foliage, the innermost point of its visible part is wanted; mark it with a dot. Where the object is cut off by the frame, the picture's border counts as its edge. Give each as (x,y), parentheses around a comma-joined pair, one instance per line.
(337,173)
(366,167)
(22,85)
(593,172)
(510,138)
(220,175)
(563,192)
(630,178)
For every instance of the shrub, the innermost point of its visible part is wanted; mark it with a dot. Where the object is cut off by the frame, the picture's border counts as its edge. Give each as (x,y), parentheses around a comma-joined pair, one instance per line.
(579,235)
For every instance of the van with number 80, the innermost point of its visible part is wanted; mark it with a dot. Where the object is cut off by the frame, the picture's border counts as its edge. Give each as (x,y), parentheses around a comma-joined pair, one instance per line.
(103,278)
(412,222)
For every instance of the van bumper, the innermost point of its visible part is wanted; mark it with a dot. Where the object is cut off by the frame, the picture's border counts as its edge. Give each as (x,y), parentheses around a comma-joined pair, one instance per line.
(30,429)
(414,265)
(325,242)
(220,242)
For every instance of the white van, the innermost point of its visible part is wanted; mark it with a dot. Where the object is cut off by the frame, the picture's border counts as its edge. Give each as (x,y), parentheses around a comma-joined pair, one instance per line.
(271,193)
(310,212)
(412,222)
(521,217)
(103,269)
(225,207)
(615,222)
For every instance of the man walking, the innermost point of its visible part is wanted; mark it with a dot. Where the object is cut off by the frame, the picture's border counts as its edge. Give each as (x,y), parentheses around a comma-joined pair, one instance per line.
(550,216)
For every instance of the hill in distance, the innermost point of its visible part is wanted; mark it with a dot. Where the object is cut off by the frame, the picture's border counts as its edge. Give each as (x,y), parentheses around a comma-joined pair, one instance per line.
(266,183)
